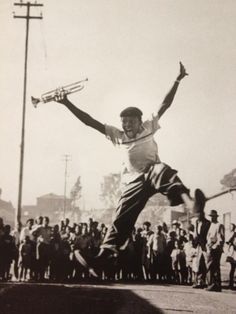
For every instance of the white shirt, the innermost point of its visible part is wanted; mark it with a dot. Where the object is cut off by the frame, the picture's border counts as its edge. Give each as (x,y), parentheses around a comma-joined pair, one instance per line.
(26,232)
(158,242)
(215,235)
(139,152)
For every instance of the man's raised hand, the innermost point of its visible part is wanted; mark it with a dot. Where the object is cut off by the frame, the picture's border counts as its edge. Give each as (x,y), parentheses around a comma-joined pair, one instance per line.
(182,72)
(60,96)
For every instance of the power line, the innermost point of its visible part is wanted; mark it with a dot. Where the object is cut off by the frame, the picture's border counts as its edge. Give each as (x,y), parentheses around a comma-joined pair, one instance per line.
(27,17)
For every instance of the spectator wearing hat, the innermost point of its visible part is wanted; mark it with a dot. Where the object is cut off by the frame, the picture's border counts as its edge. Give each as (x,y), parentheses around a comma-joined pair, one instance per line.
(215,243)
(201,228)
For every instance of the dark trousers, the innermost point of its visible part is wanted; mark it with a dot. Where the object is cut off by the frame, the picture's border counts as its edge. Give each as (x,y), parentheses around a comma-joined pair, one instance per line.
(213,267)
(202,267)
(231,274)
(160,178)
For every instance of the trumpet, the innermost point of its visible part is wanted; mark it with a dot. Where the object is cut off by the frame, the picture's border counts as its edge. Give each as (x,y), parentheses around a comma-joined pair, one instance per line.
(59,92)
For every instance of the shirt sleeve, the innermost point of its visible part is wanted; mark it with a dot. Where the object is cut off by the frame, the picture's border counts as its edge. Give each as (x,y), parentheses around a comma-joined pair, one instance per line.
(152,124)
(113,134)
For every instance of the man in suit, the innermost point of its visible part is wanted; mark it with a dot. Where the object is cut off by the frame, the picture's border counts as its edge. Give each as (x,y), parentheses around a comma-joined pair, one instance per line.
(201,228)
(215,243)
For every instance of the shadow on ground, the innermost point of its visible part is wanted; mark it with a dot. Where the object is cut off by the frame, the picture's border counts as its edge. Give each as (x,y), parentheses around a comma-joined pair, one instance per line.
(45,299)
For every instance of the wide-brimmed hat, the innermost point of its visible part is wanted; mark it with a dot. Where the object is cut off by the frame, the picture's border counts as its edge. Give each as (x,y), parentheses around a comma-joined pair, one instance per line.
(213,213)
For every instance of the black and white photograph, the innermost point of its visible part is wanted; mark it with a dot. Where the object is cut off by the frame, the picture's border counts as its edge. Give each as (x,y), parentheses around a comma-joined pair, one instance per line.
(118,156)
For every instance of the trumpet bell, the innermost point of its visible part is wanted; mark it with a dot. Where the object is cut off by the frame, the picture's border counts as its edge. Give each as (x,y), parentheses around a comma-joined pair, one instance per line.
(35,101)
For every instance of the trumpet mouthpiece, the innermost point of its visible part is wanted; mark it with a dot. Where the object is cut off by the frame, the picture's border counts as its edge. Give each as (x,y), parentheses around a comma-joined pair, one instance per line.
(35,101)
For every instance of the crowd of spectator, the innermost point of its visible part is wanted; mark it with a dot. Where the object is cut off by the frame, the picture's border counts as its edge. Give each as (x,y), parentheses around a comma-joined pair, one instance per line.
(38,251)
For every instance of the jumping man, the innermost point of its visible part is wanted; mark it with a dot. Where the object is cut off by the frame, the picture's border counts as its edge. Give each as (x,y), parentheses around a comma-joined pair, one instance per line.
(143,173)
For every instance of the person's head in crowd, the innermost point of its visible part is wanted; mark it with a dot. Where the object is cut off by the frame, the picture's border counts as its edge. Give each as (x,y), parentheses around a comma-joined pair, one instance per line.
(73,227)
(67,230)
(172,235)
(234,242)
(26,239)
(178,231)
(90,221)
(104,231)
(30,223)
(18,226)
(158,229)
(146,225)
(84,230)
(104,228)
(214,215)
(45,221)
(94,226)
(190,228)
(100,226)
(165,227)
(56,229)
(182,233)
(7,229)
(189,237)
(67,222)
(232,227)
(1,222)
(39,220)
(78,229)
(139,231)
(175,225)
(95,234)
(80,225)
(176,244)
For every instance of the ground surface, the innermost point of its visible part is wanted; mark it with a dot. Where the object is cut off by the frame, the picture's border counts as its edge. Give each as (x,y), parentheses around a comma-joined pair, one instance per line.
(118,298)
(31,298)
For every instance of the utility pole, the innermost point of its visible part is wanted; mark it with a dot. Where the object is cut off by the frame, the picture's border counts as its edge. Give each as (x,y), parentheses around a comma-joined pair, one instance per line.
(27,17)
(66,159)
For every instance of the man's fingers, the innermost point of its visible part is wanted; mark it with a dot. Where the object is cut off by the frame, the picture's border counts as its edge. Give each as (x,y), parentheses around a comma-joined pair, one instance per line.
(60,96)
(182,69)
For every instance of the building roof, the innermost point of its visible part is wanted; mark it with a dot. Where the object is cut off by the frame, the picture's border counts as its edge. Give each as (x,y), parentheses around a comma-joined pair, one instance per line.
(51,195)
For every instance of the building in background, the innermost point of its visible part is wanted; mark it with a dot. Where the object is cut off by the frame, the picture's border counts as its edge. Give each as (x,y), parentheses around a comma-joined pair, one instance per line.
(56,207)
(7,211)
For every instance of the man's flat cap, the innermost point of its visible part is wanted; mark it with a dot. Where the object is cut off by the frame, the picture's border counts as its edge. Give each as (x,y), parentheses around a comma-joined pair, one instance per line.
(131,112)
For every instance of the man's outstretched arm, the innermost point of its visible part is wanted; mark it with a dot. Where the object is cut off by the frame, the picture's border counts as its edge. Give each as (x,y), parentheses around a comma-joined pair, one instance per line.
(170,96)
(82,116)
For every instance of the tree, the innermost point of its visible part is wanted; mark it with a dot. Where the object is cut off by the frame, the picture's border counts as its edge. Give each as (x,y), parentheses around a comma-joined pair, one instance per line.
(229,180)
(110,189)
(75,194)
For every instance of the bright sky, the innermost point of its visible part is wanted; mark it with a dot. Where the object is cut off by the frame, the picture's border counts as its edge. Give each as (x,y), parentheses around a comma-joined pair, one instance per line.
(129,50)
